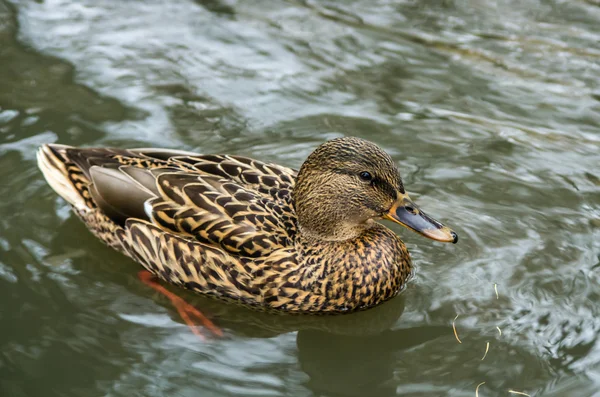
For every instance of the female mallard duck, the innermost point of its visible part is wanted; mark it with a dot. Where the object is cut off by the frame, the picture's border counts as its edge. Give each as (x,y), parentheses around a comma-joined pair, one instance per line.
(239,229)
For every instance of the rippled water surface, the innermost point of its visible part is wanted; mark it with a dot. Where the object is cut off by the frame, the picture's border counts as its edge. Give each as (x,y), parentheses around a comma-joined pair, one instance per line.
(491,109)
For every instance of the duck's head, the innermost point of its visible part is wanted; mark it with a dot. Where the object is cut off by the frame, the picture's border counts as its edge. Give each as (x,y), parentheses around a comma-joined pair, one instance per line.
(346,184)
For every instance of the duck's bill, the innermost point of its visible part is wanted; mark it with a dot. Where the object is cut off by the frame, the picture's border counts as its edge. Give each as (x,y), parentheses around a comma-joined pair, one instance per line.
(406,213)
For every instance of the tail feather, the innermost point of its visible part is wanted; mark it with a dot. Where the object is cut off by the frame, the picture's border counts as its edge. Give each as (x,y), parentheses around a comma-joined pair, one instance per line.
(53,164)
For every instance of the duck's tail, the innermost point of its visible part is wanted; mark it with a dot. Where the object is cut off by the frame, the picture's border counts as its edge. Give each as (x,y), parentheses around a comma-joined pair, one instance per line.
(65,178)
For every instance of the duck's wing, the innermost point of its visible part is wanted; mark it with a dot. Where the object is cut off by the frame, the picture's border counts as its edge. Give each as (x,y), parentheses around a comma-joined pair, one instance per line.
(271,181)
(241,205)
(221,211)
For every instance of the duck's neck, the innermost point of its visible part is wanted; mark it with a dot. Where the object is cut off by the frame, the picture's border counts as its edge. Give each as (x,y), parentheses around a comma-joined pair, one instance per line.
(334,232)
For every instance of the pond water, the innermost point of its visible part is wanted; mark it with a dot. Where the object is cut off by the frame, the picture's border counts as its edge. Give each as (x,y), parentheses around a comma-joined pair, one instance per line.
(490,108)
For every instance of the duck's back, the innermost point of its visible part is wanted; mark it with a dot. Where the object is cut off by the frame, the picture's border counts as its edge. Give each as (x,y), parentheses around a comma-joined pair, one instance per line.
(238,205)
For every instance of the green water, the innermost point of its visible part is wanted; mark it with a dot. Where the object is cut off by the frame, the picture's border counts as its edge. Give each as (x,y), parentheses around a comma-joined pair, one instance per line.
(491,109)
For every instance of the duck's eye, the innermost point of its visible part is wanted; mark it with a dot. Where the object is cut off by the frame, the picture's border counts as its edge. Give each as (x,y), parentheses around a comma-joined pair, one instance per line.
(366,176)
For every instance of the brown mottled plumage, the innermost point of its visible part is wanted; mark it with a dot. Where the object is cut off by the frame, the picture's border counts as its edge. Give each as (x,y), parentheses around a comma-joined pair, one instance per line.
(239,229)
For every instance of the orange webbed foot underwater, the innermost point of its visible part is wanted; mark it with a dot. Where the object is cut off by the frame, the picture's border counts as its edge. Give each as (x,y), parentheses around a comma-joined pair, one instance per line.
(186,311)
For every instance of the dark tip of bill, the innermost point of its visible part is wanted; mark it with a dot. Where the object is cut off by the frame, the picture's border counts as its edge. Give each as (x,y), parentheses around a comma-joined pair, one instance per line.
(455,237)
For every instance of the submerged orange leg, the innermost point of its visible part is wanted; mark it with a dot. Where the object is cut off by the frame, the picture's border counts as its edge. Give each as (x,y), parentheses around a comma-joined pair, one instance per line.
(186,311)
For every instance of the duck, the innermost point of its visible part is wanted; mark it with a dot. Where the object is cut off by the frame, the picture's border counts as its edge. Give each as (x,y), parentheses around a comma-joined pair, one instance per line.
(241,230)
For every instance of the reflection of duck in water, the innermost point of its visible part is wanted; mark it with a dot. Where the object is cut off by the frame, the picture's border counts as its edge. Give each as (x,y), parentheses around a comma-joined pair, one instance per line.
(351,355)
(238,229)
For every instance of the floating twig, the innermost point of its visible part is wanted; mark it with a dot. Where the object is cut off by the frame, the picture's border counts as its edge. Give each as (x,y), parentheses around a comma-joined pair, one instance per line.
(477,389)
(499,330)
(519,392)
(487,347)
(454,328)
(496,289)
